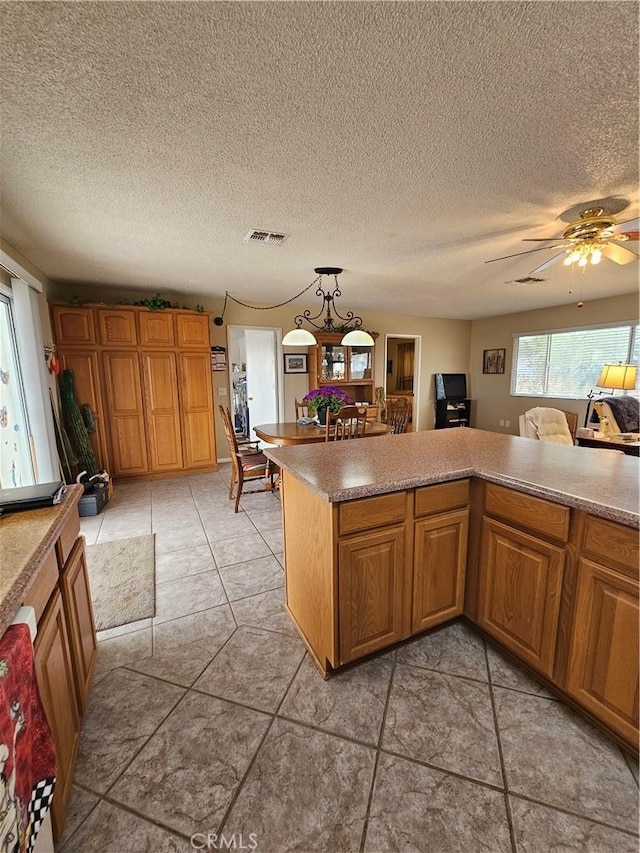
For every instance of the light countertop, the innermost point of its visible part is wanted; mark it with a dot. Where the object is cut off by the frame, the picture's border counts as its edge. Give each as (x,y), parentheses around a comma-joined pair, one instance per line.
(600,482)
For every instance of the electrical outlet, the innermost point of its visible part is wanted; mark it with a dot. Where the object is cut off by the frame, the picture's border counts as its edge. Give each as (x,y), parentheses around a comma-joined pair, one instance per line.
(501,422)
(507,423)
(222,392)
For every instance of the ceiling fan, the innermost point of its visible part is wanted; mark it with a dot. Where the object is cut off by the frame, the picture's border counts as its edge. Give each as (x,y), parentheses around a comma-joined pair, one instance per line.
(590,238)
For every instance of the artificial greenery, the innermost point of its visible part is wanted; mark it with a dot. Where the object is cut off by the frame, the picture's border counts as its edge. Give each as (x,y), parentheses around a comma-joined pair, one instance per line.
(153,303)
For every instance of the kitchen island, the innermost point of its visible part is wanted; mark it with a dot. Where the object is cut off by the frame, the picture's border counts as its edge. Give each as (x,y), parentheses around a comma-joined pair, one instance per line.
(536,544)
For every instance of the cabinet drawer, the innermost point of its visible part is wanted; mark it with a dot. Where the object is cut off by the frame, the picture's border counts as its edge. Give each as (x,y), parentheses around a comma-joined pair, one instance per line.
(367,513)
(117,327)
(44,584)
(443,497)
(67,538)
(612,543)
(552,520)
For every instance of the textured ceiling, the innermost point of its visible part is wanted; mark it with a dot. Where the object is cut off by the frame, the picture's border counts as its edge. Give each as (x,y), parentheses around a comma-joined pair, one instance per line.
(405,142)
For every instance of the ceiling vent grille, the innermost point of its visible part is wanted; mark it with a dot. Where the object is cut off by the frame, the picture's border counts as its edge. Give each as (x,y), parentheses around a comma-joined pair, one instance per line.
(267,238)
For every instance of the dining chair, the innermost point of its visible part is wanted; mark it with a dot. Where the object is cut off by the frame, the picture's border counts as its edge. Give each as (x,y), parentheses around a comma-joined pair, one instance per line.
(302,410)
(398,413)
(349,422)
(246,464)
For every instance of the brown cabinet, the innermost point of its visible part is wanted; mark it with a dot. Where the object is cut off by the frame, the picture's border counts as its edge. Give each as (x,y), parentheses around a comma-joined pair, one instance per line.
(520,583)
(371,592)
(160,378)
(603,662)
(439,568)
(126,413)
(148,382)
(349,368)
(56,680)
(76,596)
(65,647)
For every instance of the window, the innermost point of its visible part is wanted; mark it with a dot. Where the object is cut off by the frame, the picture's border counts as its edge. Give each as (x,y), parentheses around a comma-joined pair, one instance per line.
(16,464)
(568,363)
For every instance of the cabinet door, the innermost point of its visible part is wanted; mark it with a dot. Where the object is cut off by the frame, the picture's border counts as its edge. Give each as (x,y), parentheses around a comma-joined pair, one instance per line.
(370,588)
(162,410)
(86,382)
(439,568)
(603,664)
(76,595)
(117,327)
(196,406)
(126,417)
(156,329)
(73,326)
(193,331)
(54,671)
(520,581)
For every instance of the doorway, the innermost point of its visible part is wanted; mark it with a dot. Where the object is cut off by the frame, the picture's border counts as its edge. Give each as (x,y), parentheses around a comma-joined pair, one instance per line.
(255,377)
(402,371)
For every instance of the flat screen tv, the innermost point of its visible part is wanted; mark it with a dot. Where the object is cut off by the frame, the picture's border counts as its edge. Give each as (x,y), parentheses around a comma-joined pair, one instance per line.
(451,386)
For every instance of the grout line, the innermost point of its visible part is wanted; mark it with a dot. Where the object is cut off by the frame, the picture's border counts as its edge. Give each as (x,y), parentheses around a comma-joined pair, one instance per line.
(503,769)
(374,777)
(588,819)
(628,759)
(240,787)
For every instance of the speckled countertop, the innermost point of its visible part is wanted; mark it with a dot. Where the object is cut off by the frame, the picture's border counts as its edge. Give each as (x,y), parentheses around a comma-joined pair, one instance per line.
(25,538)
(601,482)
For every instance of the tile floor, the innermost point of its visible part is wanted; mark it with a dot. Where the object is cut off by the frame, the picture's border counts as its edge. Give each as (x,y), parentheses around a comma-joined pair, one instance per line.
(209,729)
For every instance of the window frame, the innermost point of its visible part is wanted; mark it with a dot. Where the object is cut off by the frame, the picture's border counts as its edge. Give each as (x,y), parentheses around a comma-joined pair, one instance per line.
(634,335)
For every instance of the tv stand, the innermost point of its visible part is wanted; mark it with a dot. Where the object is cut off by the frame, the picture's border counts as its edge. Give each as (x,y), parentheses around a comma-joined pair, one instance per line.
(453,413)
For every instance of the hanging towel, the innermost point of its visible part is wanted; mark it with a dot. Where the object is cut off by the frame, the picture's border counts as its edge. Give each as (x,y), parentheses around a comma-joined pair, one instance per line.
(27,754)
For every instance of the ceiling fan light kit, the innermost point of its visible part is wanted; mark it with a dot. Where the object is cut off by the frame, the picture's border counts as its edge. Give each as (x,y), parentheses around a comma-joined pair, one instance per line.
(587,240)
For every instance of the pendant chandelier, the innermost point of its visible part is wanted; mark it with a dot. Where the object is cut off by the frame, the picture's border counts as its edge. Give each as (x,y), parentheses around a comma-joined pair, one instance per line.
(332,321)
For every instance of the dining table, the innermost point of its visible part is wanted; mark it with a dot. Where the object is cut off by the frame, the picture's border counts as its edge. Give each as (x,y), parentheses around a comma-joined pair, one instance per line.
(291,432)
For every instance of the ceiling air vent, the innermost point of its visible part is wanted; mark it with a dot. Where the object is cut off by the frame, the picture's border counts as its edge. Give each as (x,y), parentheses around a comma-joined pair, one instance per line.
(268,238)
(522,282)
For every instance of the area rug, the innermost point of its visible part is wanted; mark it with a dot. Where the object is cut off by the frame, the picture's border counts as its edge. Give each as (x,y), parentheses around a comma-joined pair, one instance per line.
(122,576)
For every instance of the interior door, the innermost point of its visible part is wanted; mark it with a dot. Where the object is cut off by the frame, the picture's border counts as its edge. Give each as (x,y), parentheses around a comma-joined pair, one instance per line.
(263,376)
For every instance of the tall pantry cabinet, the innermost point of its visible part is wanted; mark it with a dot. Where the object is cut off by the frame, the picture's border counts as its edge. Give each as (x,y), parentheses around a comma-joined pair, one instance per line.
(147,377)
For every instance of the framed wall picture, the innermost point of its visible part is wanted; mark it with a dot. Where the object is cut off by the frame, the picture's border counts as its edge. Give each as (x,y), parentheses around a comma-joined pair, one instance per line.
(295,362)
(493,360)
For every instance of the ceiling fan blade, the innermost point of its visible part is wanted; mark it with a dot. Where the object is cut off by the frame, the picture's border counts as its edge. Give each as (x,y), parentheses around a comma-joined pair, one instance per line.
(528,252)
(626,235)
(548,263)
(541,239)
(629,225)
(620,254)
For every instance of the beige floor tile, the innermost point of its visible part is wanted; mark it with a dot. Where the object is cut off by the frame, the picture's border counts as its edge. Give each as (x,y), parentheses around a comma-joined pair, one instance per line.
(255,668)
(125,709)
(80,807)
(554,756)
(350,703)
(445,721)
(124,649)
(505,673)
(417,809)
(265,610)
(243,579)
(538,828)
(179,564)
(188,595)
(239,549)
(113,830)
(188,772)
(455,650)
(306,791)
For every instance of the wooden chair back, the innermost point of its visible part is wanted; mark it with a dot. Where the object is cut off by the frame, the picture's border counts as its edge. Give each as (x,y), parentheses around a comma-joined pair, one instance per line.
(398,413)
(249,464)
(302,410)
(349,422)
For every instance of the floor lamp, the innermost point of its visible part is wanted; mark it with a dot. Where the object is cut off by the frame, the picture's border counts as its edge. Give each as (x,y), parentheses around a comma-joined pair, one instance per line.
(614,377)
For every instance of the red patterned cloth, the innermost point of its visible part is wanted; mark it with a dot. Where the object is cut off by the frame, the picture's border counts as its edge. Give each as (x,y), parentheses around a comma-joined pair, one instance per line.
(27,754)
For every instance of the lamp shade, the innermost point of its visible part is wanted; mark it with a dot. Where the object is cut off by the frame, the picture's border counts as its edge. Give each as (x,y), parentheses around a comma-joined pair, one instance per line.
(357,338)
(618,376)
(298,338)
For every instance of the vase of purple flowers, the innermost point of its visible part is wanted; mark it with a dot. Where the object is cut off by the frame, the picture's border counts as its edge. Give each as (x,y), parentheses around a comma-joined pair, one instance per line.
(328,397)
